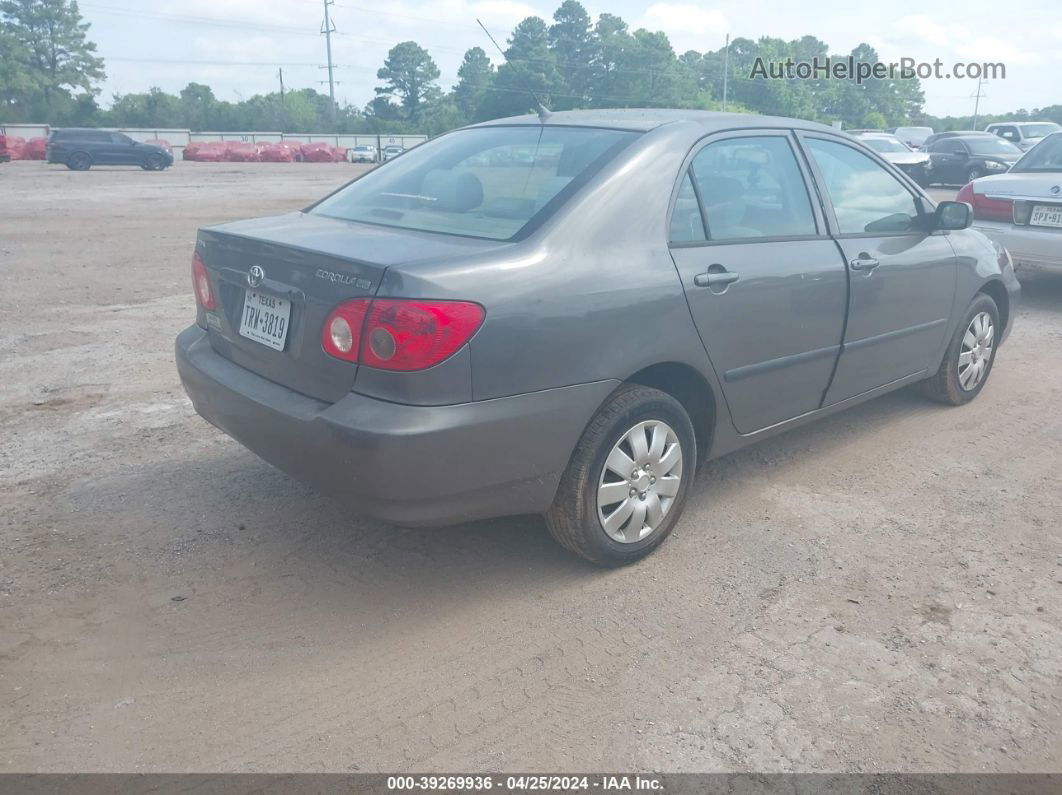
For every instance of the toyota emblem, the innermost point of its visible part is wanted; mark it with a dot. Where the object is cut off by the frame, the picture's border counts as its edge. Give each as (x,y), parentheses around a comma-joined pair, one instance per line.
(255,275)
(1056,189)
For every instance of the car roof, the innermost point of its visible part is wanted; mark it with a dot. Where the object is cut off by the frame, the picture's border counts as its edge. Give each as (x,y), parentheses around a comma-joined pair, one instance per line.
(645,119)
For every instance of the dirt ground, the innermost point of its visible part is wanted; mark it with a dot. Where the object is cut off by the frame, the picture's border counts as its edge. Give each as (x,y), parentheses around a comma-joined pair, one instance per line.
(876,592)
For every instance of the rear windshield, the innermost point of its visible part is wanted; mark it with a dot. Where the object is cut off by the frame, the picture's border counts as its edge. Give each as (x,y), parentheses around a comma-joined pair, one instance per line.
(885,145)
(488,182)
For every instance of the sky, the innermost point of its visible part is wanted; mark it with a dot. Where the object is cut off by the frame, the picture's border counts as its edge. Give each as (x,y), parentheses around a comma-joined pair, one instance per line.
(236,46)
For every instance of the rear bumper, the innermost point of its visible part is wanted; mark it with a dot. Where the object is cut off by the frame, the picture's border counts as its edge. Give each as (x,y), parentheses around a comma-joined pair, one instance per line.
(1031,248)
(411,465)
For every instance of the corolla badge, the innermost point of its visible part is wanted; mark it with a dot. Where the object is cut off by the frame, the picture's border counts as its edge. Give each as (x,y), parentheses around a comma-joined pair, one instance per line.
(1056,189)
(255,275)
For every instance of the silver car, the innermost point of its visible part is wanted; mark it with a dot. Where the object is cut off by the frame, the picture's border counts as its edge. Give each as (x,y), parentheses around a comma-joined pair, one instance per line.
(1022,209)
(571,329)
(914,164)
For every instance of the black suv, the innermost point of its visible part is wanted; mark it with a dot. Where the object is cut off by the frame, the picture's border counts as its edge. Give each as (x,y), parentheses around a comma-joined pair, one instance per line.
(82,149)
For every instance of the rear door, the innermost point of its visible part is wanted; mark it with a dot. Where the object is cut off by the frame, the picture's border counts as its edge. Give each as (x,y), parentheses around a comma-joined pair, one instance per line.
(765,284)
(902,278)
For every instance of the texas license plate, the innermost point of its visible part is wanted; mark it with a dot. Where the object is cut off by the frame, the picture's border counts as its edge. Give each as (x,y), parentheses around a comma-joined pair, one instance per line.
(1046,215)
(265,319)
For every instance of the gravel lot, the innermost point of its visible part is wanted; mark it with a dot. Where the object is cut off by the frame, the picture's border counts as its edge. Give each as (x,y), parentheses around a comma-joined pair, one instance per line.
(879,591)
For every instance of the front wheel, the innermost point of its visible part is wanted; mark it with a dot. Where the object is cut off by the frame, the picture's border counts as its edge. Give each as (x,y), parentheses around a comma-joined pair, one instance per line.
(627,481)
(974,173)
(968,361)
(155,163)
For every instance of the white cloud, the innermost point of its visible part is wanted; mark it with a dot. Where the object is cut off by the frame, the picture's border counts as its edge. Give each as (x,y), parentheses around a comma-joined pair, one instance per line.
(688,26)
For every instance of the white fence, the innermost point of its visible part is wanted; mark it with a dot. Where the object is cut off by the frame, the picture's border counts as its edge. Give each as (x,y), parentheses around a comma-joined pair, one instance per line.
(178,138)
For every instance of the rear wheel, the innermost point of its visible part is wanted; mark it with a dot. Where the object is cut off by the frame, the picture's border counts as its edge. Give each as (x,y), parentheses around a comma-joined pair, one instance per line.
(79,161)
(627,481)
(968,361)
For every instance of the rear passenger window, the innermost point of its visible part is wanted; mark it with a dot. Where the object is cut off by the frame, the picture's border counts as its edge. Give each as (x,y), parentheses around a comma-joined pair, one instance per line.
(866,197)
(752,187)
(687,226)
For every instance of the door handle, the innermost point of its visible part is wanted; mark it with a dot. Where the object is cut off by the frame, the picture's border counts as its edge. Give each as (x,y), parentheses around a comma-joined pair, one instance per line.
(864,262)
(717,276)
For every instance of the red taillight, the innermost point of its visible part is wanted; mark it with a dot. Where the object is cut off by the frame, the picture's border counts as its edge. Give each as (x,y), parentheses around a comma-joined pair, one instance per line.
(399,333)
(984,208)
(204,296)
(341,335)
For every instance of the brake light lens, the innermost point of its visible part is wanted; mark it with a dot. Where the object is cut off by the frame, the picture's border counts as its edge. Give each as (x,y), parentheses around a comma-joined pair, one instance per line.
(341,335)
(985,208)
(204,296)
(399,334)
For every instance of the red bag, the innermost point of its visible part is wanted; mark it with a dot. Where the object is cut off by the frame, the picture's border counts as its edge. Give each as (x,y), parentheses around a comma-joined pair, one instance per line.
(239,152)
(279,152)
(35,149)
(317,152)
(12,147)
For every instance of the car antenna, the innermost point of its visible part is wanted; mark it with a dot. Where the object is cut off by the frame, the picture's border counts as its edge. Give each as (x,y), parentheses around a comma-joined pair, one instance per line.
(542,111)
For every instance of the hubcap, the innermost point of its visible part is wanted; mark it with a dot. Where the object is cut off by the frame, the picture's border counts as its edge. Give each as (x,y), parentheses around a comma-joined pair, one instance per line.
(639,481)
(976,352)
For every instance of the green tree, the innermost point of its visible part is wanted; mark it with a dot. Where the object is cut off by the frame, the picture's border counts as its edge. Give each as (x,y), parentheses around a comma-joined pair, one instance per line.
(572,43)
(46,54)
(475,78)
(409,74)
(529,64)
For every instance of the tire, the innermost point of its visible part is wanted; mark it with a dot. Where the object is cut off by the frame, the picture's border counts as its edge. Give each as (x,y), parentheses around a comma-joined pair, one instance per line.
(155,163)
(79,161)
(974,173)
(575,520)
(951,384)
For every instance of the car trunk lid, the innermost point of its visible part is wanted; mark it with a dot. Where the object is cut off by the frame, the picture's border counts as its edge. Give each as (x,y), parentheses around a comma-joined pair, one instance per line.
(276,279)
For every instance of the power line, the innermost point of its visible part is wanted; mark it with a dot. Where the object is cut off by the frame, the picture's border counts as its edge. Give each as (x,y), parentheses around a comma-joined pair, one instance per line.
(197,20)
(327,29)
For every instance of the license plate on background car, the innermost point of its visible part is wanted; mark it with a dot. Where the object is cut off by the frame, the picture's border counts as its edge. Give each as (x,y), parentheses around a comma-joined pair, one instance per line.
(1046,215)
(265,319)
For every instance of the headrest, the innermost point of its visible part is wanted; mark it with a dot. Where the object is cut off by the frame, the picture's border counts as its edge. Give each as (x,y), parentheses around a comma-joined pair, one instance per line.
(457,191)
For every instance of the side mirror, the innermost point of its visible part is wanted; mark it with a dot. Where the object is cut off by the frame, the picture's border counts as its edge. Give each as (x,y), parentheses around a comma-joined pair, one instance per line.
(953,215)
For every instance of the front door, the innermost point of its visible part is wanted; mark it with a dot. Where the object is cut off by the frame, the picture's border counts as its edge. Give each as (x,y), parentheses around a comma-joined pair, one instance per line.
(902,278)
(764,282)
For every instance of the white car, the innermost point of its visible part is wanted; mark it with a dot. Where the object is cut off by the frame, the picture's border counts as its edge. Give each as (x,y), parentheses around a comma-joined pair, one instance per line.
(1022,209)
(914,137)
(362,153)
(914,164)
(1024,135)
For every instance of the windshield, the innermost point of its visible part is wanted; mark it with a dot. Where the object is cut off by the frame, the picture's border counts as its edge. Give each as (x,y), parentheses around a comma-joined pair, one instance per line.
(990,145)
(486,182)
(1039,130)
(362,148)
(885,145)
(1045,156)
(914,133)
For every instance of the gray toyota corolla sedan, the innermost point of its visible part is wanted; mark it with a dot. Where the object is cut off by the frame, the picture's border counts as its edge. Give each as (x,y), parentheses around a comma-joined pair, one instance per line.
(566,317)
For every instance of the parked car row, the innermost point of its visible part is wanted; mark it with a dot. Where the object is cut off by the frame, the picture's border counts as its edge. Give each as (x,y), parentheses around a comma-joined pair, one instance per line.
(366,153)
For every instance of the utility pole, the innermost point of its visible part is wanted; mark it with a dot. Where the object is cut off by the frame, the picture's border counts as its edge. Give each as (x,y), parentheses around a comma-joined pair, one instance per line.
(327,29)
(726,69)
(280,74)
(977,101)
